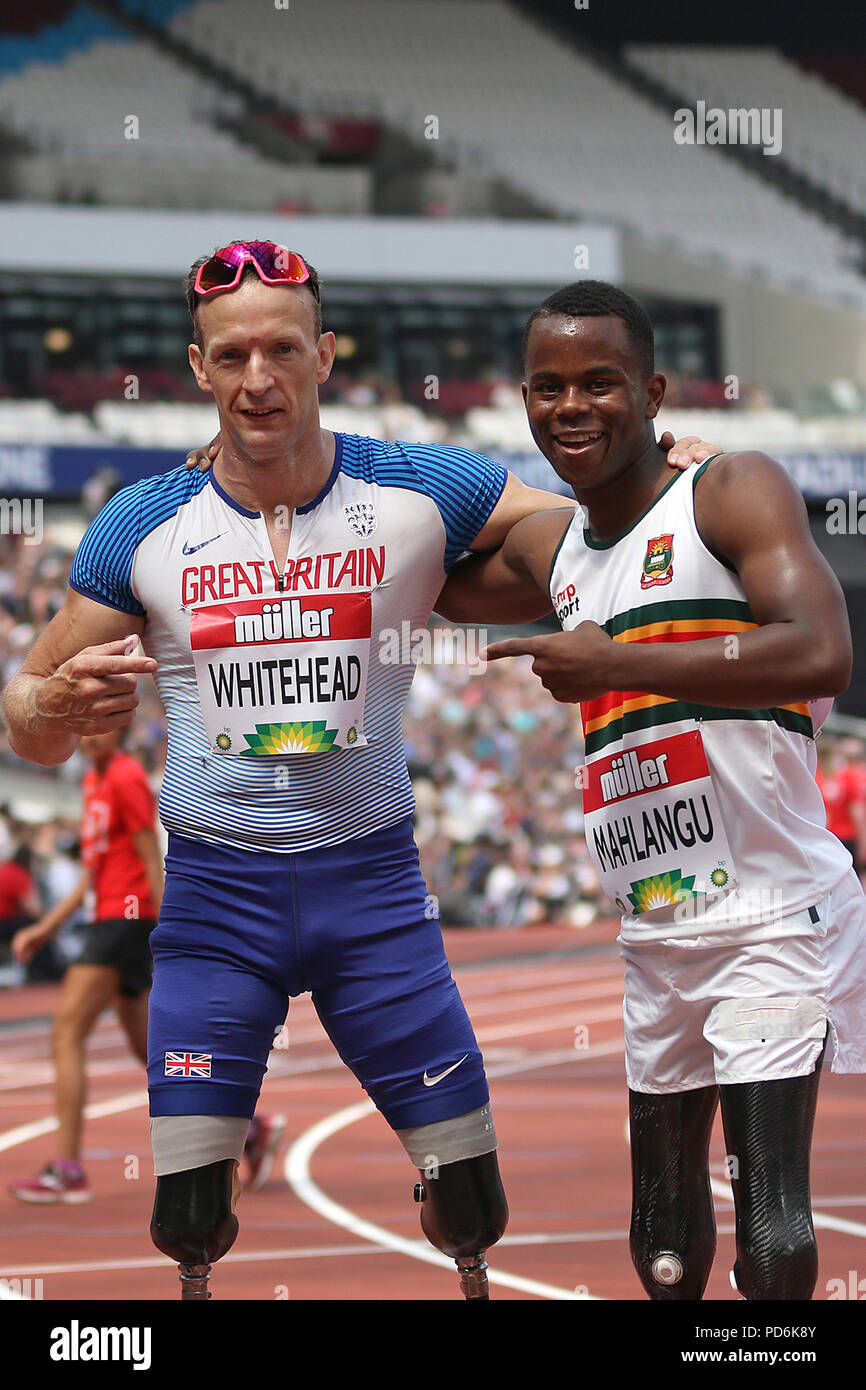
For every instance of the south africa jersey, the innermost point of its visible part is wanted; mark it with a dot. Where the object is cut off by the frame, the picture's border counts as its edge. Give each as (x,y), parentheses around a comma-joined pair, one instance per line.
(696,816)
(282,694)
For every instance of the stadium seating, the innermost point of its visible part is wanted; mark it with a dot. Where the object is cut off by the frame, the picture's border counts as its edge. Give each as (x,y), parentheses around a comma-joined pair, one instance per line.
(39,422)
(156,425)
(493,429)
(147,132)
(823,131)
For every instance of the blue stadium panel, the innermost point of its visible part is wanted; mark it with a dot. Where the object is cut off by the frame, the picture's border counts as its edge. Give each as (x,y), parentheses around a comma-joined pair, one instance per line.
(83,27)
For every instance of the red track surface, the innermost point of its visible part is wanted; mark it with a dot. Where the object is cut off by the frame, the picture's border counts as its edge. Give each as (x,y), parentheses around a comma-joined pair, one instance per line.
(546,1008)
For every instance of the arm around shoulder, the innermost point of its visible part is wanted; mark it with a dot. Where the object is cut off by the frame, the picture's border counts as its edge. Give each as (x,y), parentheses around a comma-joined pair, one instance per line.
(507,585)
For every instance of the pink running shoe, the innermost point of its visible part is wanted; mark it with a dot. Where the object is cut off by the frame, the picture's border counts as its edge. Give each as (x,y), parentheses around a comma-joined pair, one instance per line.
(56,1183)
(266,1131)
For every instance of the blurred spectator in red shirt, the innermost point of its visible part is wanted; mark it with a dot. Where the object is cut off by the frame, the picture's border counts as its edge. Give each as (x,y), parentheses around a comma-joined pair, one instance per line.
(19,898)
(841,778)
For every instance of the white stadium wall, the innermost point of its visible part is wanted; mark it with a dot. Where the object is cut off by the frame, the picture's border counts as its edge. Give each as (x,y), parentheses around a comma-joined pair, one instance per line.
(346,249)
(784,339)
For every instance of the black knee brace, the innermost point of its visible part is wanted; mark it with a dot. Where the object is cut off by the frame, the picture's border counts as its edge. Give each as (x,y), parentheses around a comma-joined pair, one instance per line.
(464,1212)
(768,1126)
(673,1229)
(193,1221)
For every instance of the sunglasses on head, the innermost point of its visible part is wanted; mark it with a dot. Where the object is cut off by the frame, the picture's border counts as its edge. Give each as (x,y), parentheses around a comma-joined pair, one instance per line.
(276,265)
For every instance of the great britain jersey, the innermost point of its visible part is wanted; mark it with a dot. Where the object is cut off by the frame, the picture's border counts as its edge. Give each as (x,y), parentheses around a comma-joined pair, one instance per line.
(283,702)
(697,817)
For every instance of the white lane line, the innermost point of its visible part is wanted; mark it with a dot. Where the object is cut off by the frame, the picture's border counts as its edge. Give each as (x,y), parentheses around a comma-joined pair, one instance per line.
(477,989)
(543,999)
(312,1252)
(43,1073)
(129,1101)
(538,1060)
(567,1021)
(297,1171)
(858,1201)
(821,1220)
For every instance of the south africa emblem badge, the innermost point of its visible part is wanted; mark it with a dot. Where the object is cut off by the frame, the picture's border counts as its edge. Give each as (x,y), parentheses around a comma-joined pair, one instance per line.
(658,563)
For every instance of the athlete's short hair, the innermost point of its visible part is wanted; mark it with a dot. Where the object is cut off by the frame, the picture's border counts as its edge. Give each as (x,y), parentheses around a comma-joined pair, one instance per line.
(598,299)
(314,285)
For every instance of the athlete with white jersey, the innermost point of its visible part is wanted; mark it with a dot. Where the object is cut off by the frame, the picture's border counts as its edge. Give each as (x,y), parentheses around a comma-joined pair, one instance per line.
(705,637)
(260,590)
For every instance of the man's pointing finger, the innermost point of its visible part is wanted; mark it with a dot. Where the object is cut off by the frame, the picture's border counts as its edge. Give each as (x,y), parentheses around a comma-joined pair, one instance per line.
(514,646)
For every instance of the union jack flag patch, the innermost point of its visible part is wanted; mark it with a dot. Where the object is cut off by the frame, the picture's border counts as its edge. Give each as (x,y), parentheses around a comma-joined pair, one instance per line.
(188,1063)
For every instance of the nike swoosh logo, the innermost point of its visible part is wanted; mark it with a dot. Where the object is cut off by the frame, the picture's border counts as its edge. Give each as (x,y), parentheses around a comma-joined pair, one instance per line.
(432,1080)
(191,549)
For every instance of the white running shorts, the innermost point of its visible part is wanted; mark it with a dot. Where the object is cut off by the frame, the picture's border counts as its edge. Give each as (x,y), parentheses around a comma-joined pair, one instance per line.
(719,1009)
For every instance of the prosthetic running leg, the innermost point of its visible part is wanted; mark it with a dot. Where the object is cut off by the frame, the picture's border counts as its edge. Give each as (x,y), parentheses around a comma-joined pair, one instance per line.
(194,1221)
(768,1127)
(673,1229)
(463,1213)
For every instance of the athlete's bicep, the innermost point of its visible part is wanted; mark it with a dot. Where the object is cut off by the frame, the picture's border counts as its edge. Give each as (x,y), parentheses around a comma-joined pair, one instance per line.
(80,623)
(516,502)
(508,584)
(487,588)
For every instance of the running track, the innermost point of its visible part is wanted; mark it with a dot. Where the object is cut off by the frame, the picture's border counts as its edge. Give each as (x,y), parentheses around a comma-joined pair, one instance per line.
(337,1219)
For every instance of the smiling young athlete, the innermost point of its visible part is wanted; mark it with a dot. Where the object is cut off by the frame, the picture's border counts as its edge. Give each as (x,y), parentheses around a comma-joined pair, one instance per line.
(700,621)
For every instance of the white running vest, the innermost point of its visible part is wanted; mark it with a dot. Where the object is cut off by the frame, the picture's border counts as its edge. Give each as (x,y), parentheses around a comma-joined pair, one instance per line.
(284,693)
(697,817)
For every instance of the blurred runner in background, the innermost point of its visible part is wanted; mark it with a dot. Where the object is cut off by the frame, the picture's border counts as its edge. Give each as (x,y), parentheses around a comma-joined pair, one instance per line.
(123,871)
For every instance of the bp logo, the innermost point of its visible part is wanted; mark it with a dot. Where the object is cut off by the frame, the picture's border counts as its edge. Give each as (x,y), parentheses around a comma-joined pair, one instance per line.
(361,518)
(223,741)
(270,740)
(658,563)
(661,890)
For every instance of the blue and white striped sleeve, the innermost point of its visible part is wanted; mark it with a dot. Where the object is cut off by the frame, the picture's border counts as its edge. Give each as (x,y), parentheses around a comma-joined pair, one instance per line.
(465,487)
(102,568)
